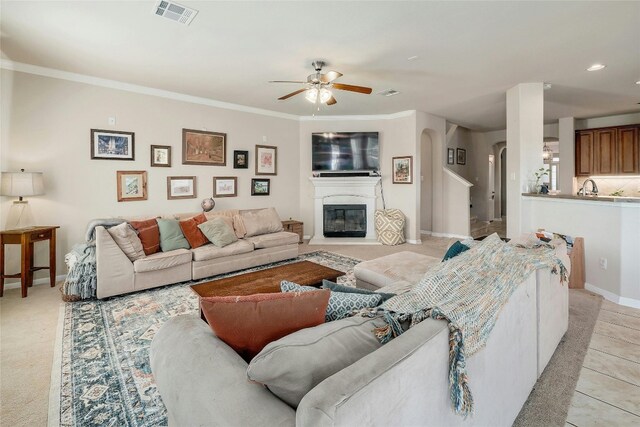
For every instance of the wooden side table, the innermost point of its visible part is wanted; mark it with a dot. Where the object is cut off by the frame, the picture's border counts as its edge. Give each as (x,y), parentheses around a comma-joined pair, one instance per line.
(26,237)
(294,226)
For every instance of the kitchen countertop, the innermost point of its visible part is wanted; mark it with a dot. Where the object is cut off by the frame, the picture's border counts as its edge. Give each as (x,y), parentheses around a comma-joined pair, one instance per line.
(616,199)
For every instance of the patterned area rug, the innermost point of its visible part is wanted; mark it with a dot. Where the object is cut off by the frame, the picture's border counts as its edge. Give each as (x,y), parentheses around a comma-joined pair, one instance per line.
(101,373)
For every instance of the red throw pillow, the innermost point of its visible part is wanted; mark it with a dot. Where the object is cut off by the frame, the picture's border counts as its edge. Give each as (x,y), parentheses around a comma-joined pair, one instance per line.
(248,323)
(191,231)
(149,235)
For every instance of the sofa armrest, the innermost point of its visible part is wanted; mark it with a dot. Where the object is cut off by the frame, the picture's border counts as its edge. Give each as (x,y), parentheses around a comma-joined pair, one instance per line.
(410,371)
(114,268)
(202,381)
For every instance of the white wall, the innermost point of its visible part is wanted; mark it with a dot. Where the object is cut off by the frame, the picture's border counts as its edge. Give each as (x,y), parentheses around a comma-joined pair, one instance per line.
(46,127)
(600,122)
(397,138)
(611,230)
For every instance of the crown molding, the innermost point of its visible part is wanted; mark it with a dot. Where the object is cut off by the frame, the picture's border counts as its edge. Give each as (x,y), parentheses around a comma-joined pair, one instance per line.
(145,90)
(357,117)
(128,87)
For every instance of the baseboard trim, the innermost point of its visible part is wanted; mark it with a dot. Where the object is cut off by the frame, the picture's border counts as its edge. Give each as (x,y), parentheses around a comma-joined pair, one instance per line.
(452,236)
(426,232)
(40,281)
(414,242)
(615,298)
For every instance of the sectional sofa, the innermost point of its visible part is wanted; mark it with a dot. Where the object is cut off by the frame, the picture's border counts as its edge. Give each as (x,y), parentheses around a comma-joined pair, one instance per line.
(261,241)
(404,382)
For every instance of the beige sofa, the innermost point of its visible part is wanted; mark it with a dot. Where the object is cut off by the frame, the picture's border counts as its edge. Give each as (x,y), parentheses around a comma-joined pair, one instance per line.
(118,275)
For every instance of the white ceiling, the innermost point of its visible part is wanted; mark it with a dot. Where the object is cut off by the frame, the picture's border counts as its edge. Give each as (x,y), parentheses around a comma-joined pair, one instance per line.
(470,53)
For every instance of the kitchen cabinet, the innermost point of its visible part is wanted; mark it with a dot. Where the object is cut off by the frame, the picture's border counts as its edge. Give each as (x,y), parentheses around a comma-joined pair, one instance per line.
(608,151)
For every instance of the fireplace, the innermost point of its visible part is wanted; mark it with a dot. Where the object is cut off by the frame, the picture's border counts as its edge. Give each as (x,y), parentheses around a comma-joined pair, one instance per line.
(345,220)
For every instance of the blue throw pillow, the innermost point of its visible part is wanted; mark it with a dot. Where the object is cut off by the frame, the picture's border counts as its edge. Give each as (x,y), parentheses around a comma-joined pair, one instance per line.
(341,304)
(454,250)
(326,284)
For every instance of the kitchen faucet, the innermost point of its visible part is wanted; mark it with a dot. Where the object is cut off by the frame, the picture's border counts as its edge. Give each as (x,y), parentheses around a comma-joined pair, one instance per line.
(594,188)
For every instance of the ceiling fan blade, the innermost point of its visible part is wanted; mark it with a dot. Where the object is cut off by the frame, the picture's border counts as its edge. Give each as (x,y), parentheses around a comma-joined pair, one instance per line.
(282,98)
(331,101)
(330,76)
(285,81)
(352,88)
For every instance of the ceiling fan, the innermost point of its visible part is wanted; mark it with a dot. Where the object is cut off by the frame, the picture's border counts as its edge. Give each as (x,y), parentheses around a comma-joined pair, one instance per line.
(319,85)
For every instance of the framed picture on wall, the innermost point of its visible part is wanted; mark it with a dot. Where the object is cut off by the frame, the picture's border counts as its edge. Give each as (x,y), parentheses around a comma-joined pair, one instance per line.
(451,156)
(461,155)
(161,156)
(260,187)
(225,186)
(112,145)
(204,148)
(403,170)
(240,159)
(266,160)
(132,185)
(181,187)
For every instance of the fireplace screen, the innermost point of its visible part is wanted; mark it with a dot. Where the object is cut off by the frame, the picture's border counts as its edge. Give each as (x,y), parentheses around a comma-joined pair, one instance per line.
(345,220)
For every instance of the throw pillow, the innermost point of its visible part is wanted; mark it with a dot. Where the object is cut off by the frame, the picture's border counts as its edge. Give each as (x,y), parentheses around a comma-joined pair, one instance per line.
(171,236)
(293,365)
(191,231)
(248,323)
(238,226)
(454,250)
(149,235)
(218,232)
(127,239)
(334,287)
(261,221)
(341,304)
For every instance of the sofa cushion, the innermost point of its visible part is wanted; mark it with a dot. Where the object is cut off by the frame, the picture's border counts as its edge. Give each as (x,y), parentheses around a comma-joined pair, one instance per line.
(218,232)
(261,221)
(273,239)
(293,365)
(204,253)
(248,323)
(238,226)
(340,304)
(127,240)
(334,287)
(149,235)
(162,260)
(171,236)
(191,231)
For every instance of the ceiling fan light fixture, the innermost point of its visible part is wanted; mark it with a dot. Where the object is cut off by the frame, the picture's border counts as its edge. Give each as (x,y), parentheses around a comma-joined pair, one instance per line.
(312,95)
(325,95)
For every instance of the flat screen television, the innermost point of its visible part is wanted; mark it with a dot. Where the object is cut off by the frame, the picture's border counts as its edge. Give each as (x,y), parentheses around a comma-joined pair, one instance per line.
(345,151)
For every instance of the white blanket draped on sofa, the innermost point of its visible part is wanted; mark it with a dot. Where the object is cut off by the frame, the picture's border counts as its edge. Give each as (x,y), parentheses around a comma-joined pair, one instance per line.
(467,291)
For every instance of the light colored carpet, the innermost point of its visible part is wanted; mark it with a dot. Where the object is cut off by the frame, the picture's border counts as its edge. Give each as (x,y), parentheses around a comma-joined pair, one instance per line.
(548,403)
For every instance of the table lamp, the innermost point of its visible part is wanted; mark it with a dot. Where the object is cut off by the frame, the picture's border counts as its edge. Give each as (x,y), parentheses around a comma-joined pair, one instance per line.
(20,184)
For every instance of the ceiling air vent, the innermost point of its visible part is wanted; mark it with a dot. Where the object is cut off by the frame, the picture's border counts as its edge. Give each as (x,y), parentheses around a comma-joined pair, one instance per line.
(175,12)
(388,92)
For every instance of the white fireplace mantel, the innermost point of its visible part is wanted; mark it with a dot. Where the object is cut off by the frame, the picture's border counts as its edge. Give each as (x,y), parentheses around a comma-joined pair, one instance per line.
(344,191)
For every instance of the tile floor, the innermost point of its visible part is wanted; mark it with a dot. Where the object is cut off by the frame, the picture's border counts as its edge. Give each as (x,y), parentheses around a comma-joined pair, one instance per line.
(608,390)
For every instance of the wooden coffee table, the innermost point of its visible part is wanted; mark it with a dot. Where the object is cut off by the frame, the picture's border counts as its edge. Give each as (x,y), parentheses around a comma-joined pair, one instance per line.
(268,280)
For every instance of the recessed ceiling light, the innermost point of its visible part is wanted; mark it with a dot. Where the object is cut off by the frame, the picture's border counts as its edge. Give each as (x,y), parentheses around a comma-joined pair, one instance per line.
(596,67)
(546,86)
(638,82)
(411,58)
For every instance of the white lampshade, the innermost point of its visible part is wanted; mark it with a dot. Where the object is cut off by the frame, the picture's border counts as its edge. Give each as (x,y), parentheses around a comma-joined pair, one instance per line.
(20,184)
(312,95)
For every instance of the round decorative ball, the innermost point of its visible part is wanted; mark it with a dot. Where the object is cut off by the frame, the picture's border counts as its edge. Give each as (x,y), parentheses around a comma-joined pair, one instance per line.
(208,204)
